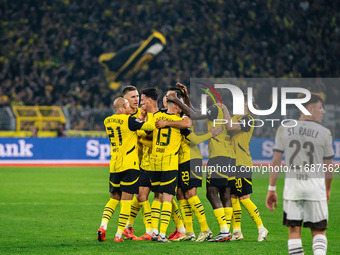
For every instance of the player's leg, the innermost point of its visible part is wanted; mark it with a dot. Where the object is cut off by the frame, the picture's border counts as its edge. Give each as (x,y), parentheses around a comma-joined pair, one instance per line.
(177,218)
(236,219)
(167,188)
(319,242)
(129,231)
(186,216)
(252,208)
(109,209)
(129,186)
(255,215)
(198,209)
(295,242)
(236,192)
(155,177)
(194,201)
(292,218)
(212,195)
(144,191)
(146,212)
(183,181)
(165,217)
(316,218)
(215,181)
(225,195)
(155,214)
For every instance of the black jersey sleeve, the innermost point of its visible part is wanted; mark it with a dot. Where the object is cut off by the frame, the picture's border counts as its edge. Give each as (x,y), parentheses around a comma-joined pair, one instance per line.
(135,123)
(185,132)
(248,123)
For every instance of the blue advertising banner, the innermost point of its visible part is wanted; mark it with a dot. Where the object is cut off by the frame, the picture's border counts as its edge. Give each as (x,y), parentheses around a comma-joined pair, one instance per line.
(97,150)
(54,150)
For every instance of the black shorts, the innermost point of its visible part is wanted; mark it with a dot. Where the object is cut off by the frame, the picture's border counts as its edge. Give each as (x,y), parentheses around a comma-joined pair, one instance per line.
(231,183)
(126,181)
(242,187)
(144,178)
(164,181)
(218,169)
(188,177)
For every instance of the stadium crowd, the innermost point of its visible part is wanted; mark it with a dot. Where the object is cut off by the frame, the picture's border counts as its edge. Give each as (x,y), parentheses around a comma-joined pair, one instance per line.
(49,53)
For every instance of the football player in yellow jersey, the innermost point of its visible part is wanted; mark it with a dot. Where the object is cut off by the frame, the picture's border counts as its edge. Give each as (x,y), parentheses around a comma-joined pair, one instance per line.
(124,164)
(189,179)
(131,94)
(242,127)
(156,204)
(221,159)
(164,164)
(148,96)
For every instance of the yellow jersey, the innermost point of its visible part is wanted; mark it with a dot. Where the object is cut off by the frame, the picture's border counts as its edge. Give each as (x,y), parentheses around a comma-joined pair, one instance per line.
(165,144)
(219,145)
(139,146)
(147,149)
(137,113)
(184,149)
(240,139)
(121,129)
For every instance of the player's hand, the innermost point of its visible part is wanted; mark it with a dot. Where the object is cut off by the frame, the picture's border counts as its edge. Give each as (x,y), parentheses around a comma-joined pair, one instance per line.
(271,200)
(160,124)
(183,88)
(143,112)
(216,131)
(172,97)
(222,106)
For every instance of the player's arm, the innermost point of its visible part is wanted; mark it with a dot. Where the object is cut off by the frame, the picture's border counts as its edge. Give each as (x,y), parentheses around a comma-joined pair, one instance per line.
(184,90)
(144,134)
(135,124)
(272,196)
(230,125)
(146,142)
(328,176)
(195,115)
(328,162)
(181,124)
(197,139)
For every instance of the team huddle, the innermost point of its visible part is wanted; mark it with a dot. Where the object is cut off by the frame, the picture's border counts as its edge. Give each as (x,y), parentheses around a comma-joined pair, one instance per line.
(155,150)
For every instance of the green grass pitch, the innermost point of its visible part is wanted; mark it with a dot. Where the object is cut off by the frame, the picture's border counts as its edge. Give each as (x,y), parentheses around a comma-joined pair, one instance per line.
(58,210)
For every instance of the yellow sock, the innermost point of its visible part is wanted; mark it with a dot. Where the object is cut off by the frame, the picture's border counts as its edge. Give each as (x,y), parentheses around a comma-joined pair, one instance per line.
(125,208)
(228,211)
(165,217)
(155,213)
(176,216)
(109,209)
(134,211)
(236,220)
(197,207)
(220,216)
(253,212)
(187,215)
(146,215)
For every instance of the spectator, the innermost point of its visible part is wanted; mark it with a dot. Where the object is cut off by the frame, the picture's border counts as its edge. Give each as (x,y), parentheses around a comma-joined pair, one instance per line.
(51,51)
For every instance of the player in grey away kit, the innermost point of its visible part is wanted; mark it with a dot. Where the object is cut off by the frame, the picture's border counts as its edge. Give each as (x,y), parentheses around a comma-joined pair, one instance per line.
(309,153)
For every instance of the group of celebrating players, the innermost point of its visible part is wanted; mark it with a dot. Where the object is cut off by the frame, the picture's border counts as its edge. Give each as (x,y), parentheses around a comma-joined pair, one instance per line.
(156,150)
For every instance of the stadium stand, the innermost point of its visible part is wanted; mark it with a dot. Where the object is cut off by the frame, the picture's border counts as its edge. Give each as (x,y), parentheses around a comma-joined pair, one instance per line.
(49,50)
